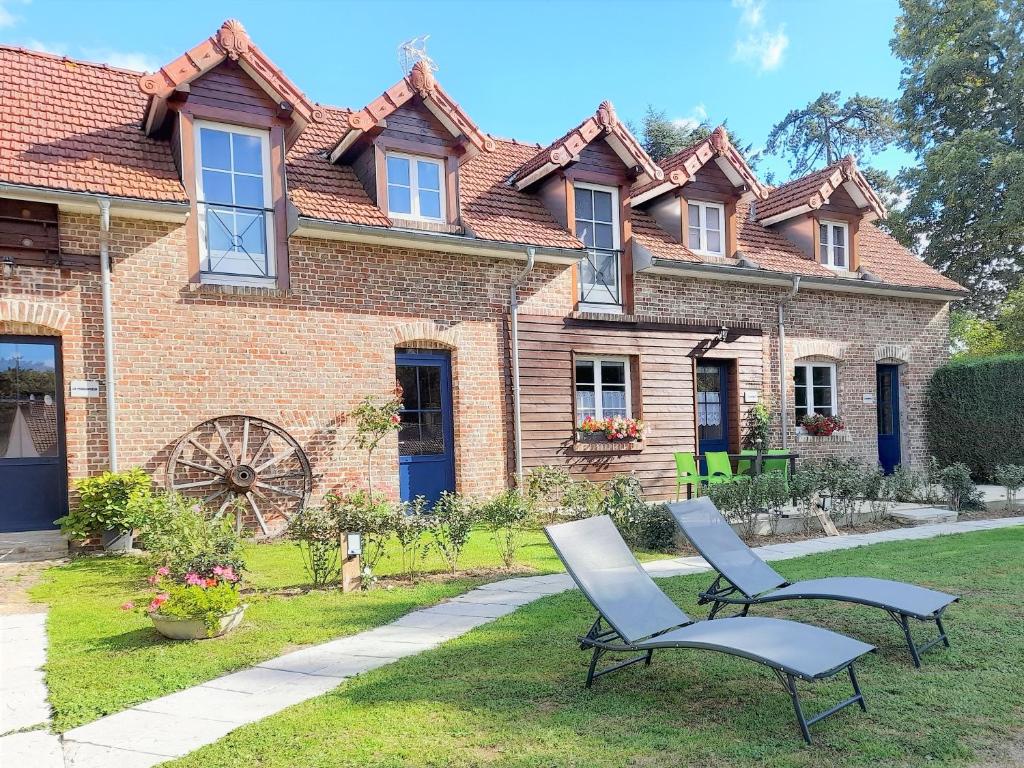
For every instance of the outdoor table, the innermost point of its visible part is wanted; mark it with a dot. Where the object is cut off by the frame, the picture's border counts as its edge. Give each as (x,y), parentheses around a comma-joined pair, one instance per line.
(756,461)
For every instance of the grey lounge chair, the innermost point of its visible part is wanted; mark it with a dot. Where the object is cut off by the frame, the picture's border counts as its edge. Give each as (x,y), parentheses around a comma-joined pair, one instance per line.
(749,580)
(641,618)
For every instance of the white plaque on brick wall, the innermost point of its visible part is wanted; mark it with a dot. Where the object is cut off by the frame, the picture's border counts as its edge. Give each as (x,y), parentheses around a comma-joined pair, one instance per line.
(750,395)
(83,388)
(869,398)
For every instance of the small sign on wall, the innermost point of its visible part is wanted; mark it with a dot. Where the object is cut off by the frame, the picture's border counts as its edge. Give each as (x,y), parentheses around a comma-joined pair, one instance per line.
(83,388)
(750,395)
(869,398)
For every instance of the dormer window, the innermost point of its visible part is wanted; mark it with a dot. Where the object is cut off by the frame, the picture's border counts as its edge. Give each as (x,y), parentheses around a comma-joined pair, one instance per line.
(833,243)
(706,224)
(235,204)
(597,225)
(415,187)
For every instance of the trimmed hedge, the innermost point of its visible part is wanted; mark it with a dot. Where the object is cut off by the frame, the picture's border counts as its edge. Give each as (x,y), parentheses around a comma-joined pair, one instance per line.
(975,412)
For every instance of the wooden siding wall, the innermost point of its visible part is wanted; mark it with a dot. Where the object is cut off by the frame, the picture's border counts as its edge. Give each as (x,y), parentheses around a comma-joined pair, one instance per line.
(228,86)
(414,122)
(711,182)
(663,358)
(839,202)
(365,168)
(598,157)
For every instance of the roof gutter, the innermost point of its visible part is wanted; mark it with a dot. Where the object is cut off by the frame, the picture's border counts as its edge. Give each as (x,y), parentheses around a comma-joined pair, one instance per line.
(85,202)
(658,265)
(432,241)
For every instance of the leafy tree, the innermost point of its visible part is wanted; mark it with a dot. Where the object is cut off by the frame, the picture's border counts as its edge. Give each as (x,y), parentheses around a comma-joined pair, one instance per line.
(662,137)
(975,336)
(824,131)
(962,111)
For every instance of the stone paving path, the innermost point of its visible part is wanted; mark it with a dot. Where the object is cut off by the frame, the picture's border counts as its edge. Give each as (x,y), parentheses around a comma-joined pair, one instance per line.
(174,725)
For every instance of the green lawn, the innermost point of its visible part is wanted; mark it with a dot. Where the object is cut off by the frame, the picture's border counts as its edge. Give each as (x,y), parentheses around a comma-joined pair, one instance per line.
(510,693)
(102,659)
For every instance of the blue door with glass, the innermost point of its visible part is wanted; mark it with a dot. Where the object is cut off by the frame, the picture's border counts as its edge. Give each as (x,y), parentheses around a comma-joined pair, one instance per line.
(426,449)
(33,472)
(888,404)
(712,407)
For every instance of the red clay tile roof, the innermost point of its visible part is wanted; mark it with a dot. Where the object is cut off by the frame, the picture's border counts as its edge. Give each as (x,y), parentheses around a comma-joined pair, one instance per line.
(684,164)
(603,123)
(811,191)
(76,126)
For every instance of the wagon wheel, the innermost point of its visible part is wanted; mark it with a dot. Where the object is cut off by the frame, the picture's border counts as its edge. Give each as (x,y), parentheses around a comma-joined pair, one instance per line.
(242,457)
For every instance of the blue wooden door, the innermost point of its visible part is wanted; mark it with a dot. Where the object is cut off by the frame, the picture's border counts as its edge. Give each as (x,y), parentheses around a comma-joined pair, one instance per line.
(33,471)
(888,404)
(712,407)
(426,449)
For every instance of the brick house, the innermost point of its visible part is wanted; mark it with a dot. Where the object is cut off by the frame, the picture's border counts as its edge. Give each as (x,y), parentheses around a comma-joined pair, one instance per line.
(279,259)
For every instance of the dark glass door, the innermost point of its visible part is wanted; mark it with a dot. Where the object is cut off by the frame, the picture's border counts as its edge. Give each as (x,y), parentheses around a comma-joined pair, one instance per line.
(888,405)
(33,470)
(712,407)
(426,450)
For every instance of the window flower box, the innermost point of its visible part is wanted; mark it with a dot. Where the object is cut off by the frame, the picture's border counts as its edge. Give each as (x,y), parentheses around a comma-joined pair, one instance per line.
(611,435)
(817,425)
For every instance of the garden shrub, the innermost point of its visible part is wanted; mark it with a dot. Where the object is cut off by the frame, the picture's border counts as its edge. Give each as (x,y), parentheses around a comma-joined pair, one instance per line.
(581,499)
(961,492)
(1011,477)
(506,515)
(103,503)
(409,523)
(745,498)
(975,412)
(757,426)
(545,487)
(642,525)
(316,532)
(450,525)
(181,534)
(369,516)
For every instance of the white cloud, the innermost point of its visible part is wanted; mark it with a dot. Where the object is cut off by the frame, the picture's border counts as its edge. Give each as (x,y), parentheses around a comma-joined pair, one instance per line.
(7,17)
(141,62)
(697,116)
(757,45)
(57,49)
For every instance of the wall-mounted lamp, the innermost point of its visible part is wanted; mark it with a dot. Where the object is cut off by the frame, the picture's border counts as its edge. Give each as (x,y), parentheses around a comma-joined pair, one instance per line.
(723,333)
(7,268)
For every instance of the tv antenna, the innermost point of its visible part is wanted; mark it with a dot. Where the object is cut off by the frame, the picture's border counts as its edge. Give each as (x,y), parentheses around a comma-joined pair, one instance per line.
(412,51)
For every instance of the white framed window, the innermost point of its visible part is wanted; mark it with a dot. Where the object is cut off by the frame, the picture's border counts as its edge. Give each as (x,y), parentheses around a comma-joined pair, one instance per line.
(235,204)
(415,187)
(602,388)
(597,225)
(706,227)
(814,387)
(833,244)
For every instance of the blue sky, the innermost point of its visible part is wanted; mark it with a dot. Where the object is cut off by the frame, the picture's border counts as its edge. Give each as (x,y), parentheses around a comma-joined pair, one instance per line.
(529,69)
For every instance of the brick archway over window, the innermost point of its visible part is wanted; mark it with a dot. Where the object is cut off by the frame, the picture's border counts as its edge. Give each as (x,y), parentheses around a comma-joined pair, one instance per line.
(892,353)
(818,348)
(32,318)
(426,331)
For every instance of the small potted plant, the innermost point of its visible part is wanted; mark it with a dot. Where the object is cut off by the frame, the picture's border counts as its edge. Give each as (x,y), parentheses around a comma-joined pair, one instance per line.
(196,606)
(614,429)
(817,425)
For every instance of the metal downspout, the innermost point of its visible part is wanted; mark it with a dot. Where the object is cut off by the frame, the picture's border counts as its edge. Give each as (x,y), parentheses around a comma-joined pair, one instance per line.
(108,332)
(516,415)
(783,409)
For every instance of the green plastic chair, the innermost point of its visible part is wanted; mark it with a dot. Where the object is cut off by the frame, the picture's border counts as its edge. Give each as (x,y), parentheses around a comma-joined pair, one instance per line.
(687,472)
(719,467)
(746,466)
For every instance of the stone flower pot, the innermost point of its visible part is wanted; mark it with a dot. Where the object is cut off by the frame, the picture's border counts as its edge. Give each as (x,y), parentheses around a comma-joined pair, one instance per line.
(195,629)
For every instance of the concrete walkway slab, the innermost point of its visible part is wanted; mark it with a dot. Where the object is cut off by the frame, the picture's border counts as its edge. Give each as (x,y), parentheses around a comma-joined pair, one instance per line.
(174,725)
(22,687)
(32,749)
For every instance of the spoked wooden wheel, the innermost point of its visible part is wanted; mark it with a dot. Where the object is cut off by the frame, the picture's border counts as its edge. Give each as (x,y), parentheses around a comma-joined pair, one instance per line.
(242,457)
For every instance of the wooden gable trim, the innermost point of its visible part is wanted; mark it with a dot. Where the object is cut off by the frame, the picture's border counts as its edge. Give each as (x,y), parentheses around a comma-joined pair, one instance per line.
(370,120)
(604,124)
(230,42)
